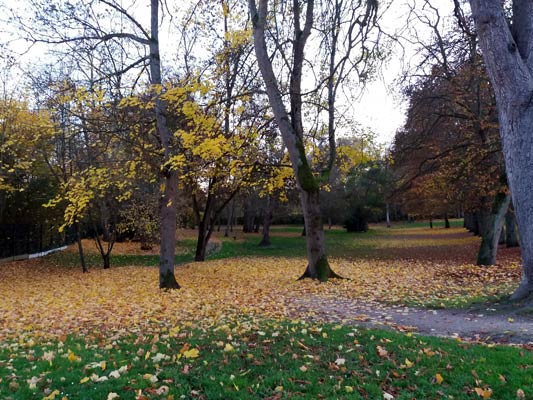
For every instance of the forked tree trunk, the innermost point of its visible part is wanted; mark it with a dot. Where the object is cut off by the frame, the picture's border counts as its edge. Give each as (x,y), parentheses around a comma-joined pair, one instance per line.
(290,125)
(491,223)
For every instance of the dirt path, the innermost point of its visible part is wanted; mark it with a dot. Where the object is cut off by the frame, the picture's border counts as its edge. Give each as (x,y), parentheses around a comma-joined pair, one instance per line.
(503,324)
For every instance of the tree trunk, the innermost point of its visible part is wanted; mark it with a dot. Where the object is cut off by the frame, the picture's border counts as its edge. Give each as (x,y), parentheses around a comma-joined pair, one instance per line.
(491,225)
(168,212)
(80,247)
(267,220)
(318,266)
(501,240)
(168,206)
(201,242)
(387,211)
(290,125)
(509,61)
(431,222)
(511,234)
(446,221)
(229,220)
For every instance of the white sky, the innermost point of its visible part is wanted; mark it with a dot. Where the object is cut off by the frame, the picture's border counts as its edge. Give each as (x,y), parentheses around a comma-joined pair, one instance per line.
(380,106)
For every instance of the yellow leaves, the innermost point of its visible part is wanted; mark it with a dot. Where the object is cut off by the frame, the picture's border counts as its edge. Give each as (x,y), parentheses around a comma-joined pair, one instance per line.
(72,357)
(192,353)
(84,380)
(348,389)
(228,348)
(52,395)
(439,379)
(483,393)
(408,364)
(112,396)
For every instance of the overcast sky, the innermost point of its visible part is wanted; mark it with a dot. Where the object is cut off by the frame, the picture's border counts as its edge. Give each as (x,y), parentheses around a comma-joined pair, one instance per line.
(380,106)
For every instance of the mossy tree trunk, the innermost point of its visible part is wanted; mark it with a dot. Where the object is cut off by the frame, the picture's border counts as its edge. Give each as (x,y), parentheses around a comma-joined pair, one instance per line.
(317,262)
(507,47)
(491,223)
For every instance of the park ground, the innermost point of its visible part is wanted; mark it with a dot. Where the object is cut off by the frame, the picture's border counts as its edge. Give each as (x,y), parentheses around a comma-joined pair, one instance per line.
(242,326)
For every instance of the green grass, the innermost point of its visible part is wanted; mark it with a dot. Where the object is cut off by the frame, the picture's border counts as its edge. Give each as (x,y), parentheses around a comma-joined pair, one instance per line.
(437,224)
(338,242)
(280,359)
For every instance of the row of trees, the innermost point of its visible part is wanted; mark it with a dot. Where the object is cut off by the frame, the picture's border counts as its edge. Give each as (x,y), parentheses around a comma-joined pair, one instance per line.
(118,127)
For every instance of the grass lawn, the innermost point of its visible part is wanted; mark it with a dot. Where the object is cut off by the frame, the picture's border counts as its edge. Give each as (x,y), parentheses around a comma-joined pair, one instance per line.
(233,330)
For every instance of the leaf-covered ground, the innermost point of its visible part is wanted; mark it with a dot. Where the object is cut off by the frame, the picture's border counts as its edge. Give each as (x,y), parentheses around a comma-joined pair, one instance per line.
(106,312)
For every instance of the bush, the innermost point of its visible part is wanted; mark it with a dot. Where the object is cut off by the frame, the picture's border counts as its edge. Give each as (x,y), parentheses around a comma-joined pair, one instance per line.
(358,220)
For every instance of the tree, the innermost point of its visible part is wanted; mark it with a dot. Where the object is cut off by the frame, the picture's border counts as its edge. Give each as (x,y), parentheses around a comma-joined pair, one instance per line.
(449,153)
(77,26)
(507,49)
(296,30)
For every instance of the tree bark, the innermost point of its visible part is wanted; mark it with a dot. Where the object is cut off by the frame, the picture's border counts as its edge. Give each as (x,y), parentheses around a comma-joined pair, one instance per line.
(229,220)
(509,60)
(491,226)
(511,234)
(168,205)
(446,221)
(267,220)
(290,125)
(387,214)
(80,248)
(318,266)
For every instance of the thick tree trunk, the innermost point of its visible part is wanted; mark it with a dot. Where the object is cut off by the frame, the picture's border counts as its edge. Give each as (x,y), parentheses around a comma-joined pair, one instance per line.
(446,221)
(431,222)
(501,240)
(318,266)
(491,223)
(387,211)
(509,60)
(511,234)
